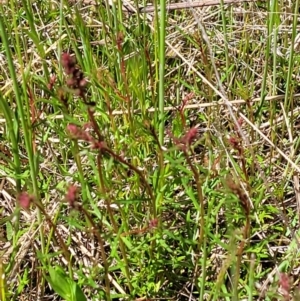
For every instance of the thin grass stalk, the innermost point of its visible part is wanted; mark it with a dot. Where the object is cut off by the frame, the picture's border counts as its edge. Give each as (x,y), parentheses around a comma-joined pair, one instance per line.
(160,16)
(237,270)
(102,189)
(156,34)
(138,16)
(3,287)
(106,34)
(251,277)
(226,52)
(73,42)
(162,58)
(60,32)
(17,35)
(24,120)
(288,100)
(264,93)
(275,67)
(275,63)
(14,140)
(203,266)
(107,10)
(120,11)
(33,33)
(147,71)
(24,124)
(16,156)
(87,60)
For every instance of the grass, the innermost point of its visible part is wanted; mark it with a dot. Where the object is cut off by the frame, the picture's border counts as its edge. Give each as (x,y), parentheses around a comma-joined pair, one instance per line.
(149,155)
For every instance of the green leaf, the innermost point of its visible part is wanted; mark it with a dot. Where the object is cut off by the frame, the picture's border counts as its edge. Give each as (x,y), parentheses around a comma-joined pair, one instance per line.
(59,281)
(9,231)
(63,285)
(78,293)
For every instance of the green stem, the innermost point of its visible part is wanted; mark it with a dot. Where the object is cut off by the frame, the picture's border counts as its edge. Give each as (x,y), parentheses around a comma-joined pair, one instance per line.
(161,85)
(288,91)
(263,95)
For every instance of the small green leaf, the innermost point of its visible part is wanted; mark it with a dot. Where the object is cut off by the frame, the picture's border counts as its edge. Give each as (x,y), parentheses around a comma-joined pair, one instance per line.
(9,231)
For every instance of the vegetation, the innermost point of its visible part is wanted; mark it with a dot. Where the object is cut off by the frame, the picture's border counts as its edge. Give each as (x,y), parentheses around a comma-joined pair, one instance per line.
(149,154)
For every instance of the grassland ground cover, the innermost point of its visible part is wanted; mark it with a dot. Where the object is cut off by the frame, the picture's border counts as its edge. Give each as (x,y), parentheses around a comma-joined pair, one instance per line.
(149,151)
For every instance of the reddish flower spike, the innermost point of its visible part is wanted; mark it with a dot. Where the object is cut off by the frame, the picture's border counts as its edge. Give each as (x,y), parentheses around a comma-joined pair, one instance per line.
(191,135)
(71,195)
(73,130)
(25,200)
(153,223)
(234,142)
(284,283)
